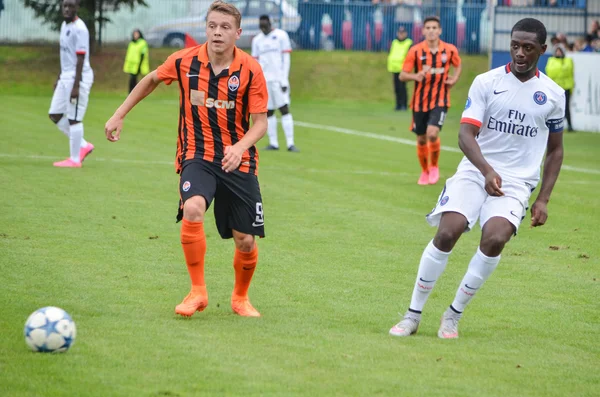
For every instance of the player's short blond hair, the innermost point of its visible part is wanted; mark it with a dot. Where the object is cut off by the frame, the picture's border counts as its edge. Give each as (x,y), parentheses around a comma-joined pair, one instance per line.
(227,9)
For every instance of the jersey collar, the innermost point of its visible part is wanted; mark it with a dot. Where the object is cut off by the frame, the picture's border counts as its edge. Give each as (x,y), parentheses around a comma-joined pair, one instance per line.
(236,64)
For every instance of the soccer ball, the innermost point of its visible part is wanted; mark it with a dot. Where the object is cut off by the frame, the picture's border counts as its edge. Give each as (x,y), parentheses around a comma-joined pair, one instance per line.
(50,330)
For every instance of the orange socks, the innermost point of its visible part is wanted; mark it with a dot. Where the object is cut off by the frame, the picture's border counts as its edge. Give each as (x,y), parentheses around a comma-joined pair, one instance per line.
(193,242)
(434,150)
(244,264)
(423,155)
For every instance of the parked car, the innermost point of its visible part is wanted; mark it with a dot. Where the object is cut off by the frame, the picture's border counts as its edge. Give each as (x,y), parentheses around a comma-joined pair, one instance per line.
(172,33)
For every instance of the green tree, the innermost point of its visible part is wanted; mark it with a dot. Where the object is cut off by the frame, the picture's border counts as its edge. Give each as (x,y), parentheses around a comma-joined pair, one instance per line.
(90,11)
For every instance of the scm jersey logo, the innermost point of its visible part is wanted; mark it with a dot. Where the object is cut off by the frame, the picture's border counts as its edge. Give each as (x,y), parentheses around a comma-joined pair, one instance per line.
(219,103)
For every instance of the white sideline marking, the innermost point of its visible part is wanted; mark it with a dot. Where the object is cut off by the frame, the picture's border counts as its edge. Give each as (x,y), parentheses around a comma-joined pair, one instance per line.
(411,142)
(158,162)
(341,130)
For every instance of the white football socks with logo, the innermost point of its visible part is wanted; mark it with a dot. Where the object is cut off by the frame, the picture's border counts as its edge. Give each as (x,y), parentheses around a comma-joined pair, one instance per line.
(272,131)
(432,265)
(287,122)
(75,138)
(480,268)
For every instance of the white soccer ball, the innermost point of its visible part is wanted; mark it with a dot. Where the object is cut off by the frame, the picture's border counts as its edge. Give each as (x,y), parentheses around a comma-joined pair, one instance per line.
(50,330)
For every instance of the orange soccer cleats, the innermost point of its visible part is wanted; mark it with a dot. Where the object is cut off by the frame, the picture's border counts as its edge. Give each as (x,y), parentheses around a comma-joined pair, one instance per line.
(242,306)
(195,301)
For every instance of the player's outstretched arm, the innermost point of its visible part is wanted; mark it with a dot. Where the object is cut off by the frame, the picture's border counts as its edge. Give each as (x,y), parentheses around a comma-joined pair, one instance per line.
(113,126)
(552,164)
(233,154)
(468,144)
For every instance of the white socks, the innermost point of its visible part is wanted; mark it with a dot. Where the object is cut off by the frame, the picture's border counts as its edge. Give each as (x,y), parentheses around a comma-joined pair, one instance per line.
(272,131)
(75,138)
(480,268)
(433,263)
(65,127)
(287,122)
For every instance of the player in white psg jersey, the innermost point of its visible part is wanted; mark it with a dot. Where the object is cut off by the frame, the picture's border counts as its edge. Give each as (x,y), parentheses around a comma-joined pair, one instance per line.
(72,87)
(272,49)
(513,115)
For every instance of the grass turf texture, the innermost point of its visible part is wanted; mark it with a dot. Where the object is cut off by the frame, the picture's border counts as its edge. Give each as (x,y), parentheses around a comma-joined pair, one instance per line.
(345,233)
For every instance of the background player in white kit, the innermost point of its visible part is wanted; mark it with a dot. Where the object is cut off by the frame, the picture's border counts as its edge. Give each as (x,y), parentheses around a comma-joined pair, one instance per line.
(272,49)
(513,115)
(72,88)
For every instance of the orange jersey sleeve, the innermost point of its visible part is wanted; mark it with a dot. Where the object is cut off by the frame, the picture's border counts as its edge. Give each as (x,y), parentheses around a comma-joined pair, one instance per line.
(258,95)
(409,62)
(167,72)
(455,58)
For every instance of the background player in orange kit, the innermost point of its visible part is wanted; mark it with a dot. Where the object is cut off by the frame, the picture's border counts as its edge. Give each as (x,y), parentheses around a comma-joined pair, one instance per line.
(221,88)
(428,65)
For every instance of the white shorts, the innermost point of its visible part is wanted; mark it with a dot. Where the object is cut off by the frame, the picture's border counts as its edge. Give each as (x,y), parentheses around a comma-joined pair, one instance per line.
(465,193)
(62,103)
(277,98)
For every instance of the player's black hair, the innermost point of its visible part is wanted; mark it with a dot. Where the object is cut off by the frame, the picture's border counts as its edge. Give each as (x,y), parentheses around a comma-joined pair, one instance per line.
(264,17)
(531,25)
(432,18)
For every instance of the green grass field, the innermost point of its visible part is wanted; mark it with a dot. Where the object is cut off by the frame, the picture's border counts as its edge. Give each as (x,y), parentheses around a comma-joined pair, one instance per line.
(345,231)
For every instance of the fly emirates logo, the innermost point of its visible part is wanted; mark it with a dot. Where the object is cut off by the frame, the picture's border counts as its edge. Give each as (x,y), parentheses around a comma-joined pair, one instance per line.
(513,125)
(198,98)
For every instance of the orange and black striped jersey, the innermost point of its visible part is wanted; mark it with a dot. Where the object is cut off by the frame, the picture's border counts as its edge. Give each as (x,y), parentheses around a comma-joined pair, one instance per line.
(214,110)
(432,91)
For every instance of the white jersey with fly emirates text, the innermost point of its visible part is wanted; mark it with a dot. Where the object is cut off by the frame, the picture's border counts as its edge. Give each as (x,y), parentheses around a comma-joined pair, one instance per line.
(515,120)
(74,40)
(272,51)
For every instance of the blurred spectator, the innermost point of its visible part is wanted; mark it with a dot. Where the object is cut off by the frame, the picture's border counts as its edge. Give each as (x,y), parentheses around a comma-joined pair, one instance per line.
(595,29)
(311,14)
(553,43)
(560,69)
(362,13)
(472,10)
(562,39)
(388,10)
(1,6)
(398,50)
(584,44)
(335,10)
(137,58)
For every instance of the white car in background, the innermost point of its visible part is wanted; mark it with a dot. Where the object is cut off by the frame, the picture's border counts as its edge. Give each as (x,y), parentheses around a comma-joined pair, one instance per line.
(172,34)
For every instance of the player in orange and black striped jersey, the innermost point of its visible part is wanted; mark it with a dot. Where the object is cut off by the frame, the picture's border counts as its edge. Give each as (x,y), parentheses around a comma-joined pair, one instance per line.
(428,65)
(221,89)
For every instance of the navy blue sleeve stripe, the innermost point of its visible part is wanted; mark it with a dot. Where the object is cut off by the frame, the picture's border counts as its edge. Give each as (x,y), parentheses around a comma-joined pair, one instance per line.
(555,125)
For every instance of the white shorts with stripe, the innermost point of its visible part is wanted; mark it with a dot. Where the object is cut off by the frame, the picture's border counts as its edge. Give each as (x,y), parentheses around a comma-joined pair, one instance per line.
(465,193)
(277,98)
(61,100)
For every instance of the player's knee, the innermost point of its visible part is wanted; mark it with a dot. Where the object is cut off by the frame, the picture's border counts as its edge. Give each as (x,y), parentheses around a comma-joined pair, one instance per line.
(55,117)
(492,244)
(284,110)
(270,113)
(194,209)
(243,242)
(432,133)
(421,140)
(445,239)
